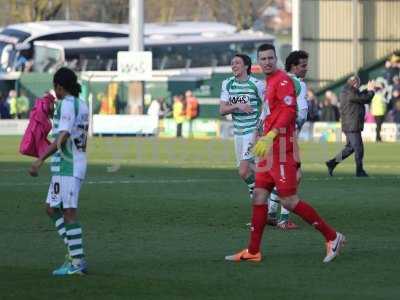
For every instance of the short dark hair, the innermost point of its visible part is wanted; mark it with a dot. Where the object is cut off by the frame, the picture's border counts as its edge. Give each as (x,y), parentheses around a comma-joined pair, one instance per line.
(294,59)
(265,47)
(246,61)
(68,80)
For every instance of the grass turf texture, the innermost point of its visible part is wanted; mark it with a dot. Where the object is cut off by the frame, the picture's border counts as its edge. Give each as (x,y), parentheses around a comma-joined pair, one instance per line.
(159,216)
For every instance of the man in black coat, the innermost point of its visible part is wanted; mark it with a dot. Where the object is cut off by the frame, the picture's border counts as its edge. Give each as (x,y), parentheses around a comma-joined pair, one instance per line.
(352,112)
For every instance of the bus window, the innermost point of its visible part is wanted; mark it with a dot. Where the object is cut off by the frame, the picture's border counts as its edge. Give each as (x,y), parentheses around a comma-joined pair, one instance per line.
(95,63)
(201,56)
(9,37)
(177,57)
(194,52)
(225,54)
(47,58)
(159,57)
(6,54)
(168,57)
(73,64)
(111,65)
(77,35)
(249,48)
(210,54)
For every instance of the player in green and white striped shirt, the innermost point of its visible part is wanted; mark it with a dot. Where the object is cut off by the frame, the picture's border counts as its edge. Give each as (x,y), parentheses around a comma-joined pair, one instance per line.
(68,167)
(242,97)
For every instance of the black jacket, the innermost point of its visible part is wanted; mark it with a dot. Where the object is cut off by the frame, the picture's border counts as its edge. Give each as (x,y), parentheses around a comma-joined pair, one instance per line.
(352,108)
(330,113)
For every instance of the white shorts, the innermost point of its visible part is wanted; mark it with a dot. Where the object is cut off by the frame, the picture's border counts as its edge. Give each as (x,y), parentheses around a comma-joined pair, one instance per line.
(64,190)
(243,145)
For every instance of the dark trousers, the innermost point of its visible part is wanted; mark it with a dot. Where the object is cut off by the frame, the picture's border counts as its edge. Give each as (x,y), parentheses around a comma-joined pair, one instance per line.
(354,145)
(179,130)
(378,121)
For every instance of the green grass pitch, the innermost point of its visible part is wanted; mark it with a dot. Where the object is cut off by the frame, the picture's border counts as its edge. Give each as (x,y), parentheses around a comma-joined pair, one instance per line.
(160,215)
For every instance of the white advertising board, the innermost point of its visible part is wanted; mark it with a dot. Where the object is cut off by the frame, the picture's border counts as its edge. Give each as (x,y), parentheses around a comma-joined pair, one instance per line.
(125,124)
(13,127)
(134,66)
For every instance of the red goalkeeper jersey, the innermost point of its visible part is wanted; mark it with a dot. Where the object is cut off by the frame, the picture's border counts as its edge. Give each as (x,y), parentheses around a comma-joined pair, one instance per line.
(281,99)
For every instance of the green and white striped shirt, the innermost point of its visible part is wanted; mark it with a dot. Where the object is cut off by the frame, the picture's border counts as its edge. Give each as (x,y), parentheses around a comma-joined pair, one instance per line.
(301,98)
(250,91)
(71,115)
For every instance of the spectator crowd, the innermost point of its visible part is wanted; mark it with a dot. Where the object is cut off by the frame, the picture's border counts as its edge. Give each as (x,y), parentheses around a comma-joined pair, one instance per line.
(185,107)
(384,107)
(14,106)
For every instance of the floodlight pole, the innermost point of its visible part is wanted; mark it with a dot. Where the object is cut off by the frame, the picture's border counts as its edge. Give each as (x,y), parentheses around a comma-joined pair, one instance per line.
(136,12)
(354,56)
(296,24)
(136,88)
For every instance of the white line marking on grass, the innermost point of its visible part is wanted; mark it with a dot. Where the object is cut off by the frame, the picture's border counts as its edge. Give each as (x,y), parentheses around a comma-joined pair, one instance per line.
(368,166)
(144,181)
(337,178)
(14,170)
(194,180)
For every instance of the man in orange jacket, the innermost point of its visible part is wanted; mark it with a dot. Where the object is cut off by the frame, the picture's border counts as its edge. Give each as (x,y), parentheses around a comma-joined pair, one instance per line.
(192,109)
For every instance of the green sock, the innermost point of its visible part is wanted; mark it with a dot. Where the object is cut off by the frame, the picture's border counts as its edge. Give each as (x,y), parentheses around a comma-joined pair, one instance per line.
(58,220)
(284,214)
(74,236)
(273,203)
(250,181)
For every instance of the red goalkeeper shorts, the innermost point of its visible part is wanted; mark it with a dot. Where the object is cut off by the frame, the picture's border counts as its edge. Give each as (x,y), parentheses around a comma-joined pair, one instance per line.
(282,175)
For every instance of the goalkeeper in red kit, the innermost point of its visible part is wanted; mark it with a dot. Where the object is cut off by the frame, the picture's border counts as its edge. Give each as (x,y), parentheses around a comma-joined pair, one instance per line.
(279,163)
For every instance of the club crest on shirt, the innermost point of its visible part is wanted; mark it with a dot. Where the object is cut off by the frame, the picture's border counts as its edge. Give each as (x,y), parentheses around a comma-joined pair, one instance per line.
(288,100)
(233,99)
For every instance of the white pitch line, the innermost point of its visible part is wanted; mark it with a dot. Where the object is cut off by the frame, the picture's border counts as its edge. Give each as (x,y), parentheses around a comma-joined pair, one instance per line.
(214,166)
(193,180)
(15,170)
(144,181)
(337,178)
(151,181)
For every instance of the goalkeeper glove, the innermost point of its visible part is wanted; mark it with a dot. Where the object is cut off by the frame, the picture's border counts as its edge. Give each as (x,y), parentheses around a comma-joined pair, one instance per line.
(264,143)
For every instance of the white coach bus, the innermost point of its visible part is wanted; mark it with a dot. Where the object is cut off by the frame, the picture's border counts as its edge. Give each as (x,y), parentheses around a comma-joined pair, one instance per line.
(19,38)
(170,52)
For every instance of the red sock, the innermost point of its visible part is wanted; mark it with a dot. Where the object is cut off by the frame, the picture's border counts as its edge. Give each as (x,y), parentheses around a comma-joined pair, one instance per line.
(308,214)
(258,221)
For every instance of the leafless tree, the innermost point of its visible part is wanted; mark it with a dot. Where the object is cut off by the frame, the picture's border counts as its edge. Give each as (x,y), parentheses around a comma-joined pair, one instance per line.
(34,10)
